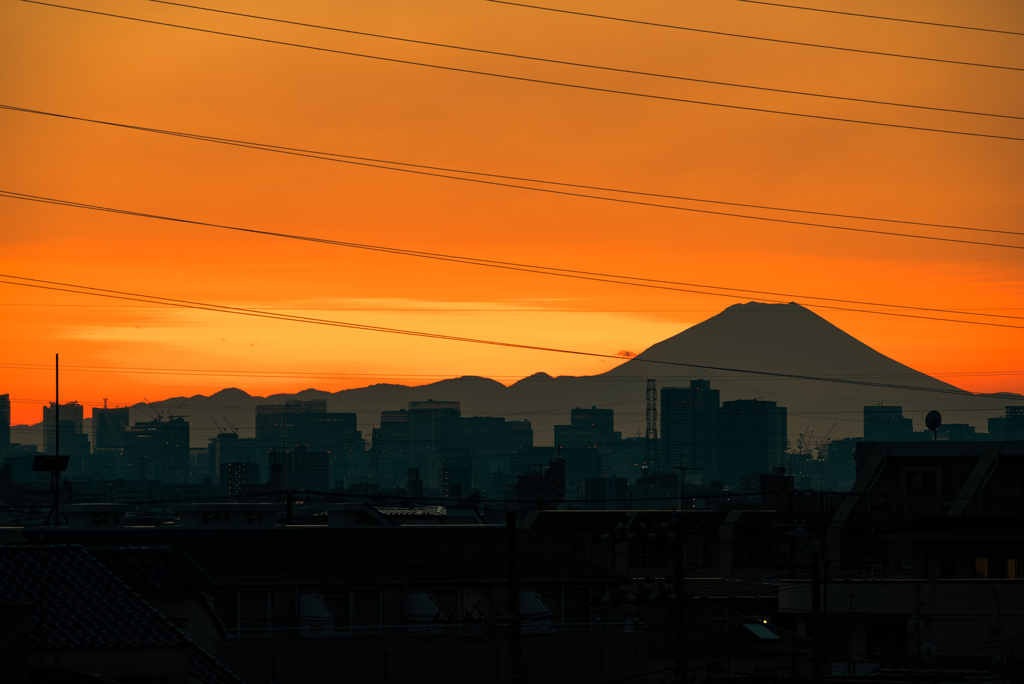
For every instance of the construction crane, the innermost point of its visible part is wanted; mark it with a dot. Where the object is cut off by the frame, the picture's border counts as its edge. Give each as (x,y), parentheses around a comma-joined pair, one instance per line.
(231,427)
(822,447)
(804,443)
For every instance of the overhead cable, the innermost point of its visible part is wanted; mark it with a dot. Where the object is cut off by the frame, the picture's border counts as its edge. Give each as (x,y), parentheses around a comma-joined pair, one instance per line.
(477,72)
(875,16)
(750,37)
(72,288)
(580,64)
(633,281)
(390,164)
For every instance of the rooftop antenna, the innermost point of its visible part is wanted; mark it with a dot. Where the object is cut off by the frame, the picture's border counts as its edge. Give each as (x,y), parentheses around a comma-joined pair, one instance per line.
(55,463)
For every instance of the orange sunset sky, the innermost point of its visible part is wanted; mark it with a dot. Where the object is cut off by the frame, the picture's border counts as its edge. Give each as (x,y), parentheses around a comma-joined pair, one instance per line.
(108,68)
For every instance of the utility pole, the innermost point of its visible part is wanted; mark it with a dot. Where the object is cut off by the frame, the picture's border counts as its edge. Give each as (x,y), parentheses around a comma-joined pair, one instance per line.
(818,670)
(681,674)
(517,674)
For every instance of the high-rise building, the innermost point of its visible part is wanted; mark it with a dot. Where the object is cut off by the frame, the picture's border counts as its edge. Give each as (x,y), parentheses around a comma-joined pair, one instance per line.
(74,443)
(886,424)
(431,424)
(108,428)
(5,424)
(689,430)
(391,447)
(1009,426)
(156,450)
(234,476)
(228,447)
(301,469)
(308,424)
(580,442)
(752,438)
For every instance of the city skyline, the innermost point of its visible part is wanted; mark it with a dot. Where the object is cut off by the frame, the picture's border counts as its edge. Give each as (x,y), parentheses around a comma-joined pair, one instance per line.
(478,123)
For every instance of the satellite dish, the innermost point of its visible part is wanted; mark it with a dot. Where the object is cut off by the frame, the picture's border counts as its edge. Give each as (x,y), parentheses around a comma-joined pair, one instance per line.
(933,420)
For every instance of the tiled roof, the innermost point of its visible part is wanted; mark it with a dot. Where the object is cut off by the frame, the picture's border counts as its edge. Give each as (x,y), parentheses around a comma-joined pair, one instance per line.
(320,554)
(82,604)
(79,603)
(162,568)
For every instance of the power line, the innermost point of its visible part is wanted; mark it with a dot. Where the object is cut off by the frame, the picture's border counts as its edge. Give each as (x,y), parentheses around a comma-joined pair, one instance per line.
(875,16)
(749,37)
(580,64)
(633,281)
(256,313)
(355,160)
(525,79)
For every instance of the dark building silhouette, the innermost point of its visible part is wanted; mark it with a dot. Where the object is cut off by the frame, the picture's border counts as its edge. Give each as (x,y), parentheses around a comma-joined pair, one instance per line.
(752,438)
(580,442)
(431,425)
(228,447)
(308,424)
(766,486)
(690,431)
(542,489)
(235,475)
(605,493)
(1009,426)
(886,424)
(301,469)
(157,450)
(108,428)
(5,424)
(391,446)
(74,443)
(485,443)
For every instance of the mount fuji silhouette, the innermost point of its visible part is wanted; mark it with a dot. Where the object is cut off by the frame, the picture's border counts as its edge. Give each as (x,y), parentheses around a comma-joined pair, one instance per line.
(783,339)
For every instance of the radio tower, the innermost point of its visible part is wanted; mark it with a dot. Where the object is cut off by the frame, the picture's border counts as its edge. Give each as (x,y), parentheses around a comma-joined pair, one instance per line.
(651,444)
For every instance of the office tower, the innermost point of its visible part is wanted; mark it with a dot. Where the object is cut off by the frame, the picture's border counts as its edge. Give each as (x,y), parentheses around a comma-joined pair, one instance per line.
(156,450)
(486,443)
(301,469)
(752,438)
(580,442)
(234,476)
(228,447)
(431,424)
(1009,426)
(308,424)
(886,424)
(5,424)
(74,443)
(689,431)
(108,428)
(391,446)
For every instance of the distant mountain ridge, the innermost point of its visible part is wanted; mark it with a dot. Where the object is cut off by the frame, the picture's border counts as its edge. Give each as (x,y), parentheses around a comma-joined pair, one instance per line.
(777,338)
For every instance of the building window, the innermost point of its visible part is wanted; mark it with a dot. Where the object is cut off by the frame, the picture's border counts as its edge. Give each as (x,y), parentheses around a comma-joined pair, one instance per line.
(981,567)
(1013,568)
(355,609)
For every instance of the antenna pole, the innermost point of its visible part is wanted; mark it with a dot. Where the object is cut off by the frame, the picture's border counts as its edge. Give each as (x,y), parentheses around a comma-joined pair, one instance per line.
(55,474)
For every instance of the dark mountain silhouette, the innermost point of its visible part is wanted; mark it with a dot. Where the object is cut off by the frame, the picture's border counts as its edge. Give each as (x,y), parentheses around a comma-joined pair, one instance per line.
(777,338)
